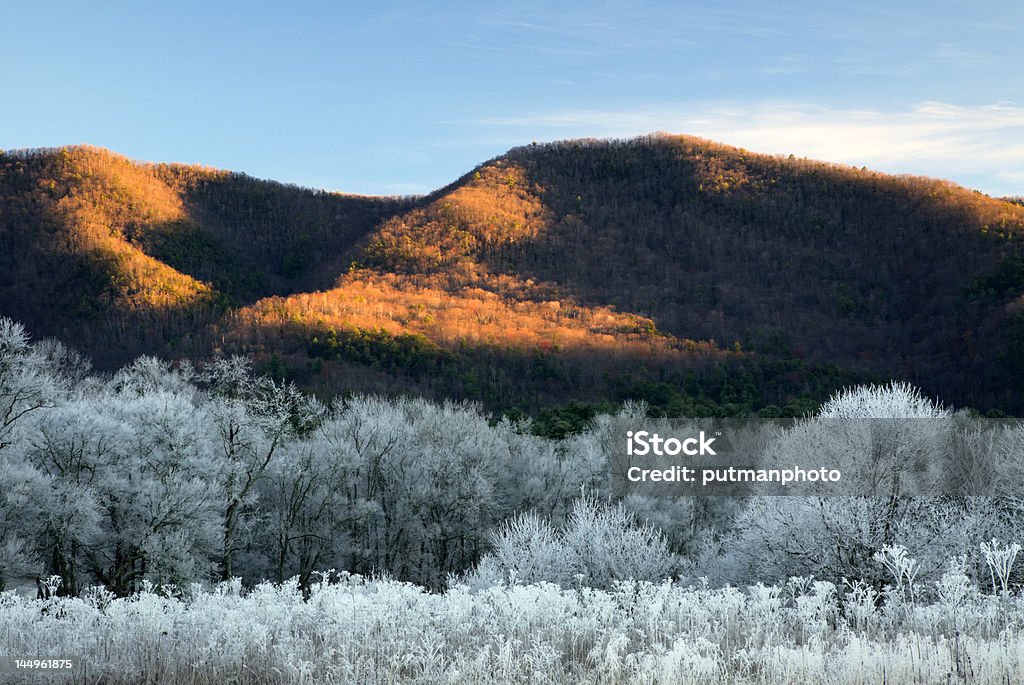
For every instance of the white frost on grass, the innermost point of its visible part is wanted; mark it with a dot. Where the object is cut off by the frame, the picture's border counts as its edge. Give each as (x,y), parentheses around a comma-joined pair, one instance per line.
(389,632)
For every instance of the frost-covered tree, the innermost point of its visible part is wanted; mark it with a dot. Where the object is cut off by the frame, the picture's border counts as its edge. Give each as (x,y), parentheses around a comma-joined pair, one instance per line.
(129,487)
(65,363)
(251,418)
(22,490)
(28,387)
(538,473)
(157,492)
(895,400)
(448,486)
(891,443)
(599,460)
(307,509)
(148,374)
(75,446)
(26,382)
(425,486)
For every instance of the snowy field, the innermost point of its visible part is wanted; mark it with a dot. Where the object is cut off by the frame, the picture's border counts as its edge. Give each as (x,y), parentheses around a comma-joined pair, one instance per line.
(358,631)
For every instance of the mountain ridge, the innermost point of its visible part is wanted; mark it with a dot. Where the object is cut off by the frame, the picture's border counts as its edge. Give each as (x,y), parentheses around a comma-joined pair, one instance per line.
(669,255)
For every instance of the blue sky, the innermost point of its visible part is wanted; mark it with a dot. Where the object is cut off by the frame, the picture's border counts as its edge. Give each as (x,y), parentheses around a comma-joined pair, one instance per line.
(403,97)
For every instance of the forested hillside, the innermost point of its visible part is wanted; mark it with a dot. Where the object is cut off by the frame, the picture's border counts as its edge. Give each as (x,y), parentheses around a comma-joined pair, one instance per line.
(118,257)
(703,278)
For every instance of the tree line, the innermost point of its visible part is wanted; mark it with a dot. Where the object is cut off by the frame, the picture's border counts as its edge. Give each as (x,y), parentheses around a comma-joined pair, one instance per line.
(174,474)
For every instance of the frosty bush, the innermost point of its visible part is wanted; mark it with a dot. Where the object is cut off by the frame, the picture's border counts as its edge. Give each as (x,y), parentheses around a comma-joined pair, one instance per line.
(903,568)
(896,400)
(599,545)
(1000,560)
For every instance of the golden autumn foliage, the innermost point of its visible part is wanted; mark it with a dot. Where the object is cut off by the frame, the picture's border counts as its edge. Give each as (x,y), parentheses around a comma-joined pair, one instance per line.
(109,209)
(470,316)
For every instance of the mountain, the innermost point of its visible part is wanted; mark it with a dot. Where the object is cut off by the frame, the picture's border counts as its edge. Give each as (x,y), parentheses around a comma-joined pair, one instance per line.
(121,258)
(700,277)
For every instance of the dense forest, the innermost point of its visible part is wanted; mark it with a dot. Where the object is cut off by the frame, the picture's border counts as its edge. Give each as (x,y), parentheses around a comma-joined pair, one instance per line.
(554,281)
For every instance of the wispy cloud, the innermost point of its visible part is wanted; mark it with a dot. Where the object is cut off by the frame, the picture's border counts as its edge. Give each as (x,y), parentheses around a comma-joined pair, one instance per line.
(960,57)
(980,146)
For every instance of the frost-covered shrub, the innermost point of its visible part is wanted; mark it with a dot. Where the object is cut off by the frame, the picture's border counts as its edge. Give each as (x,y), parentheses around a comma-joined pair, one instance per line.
(599,545)
(896,400)
(904,569)
(607,544)
(1000,560)
(528,549)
